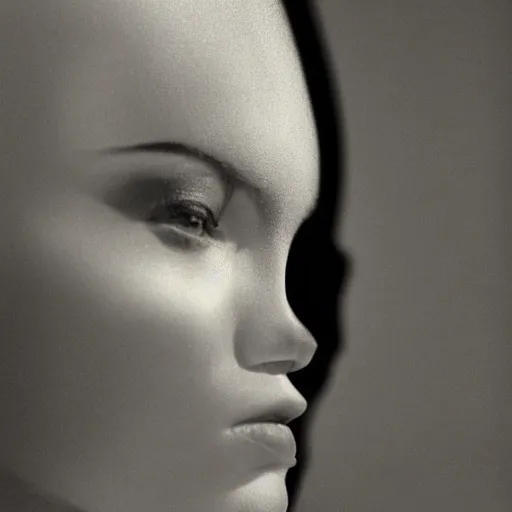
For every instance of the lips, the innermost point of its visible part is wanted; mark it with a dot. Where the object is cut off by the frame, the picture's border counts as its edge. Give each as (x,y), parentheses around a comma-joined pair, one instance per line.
(283,411)
(265,434)
(272,442)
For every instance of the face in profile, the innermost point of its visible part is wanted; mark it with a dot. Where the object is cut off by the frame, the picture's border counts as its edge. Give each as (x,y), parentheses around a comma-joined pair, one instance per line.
(161,156)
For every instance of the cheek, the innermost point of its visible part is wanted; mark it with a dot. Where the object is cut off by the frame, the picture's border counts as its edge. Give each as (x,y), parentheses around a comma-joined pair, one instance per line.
(120,336)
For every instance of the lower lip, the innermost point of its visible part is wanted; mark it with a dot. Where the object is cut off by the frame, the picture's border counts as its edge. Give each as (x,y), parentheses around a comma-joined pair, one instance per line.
(274,440)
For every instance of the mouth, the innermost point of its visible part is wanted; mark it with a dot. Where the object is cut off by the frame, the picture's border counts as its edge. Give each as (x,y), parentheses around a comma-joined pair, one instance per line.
(271,443)
(283,412)
(267,436)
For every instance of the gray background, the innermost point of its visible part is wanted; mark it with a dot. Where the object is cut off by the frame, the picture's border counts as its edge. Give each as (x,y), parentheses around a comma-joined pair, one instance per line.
(418,414)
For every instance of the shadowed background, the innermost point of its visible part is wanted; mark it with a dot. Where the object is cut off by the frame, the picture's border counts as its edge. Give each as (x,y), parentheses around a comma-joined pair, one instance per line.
(417,413)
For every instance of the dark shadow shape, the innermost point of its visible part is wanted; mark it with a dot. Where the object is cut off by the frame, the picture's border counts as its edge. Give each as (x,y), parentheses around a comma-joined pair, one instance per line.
(317,270)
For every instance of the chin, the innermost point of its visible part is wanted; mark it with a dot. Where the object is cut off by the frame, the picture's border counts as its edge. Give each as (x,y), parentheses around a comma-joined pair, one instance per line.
(265,493)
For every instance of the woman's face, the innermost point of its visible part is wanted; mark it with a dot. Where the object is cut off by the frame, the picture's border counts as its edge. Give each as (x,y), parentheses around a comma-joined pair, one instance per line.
(162,156)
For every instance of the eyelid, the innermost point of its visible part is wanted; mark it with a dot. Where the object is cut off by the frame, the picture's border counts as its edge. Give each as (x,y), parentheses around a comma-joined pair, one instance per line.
(182,195)
(134,191)
(232,175)
(191,208)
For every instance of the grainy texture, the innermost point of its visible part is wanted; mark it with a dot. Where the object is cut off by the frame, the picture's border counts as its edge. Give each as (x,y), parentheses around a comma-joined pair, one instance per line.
(418,414)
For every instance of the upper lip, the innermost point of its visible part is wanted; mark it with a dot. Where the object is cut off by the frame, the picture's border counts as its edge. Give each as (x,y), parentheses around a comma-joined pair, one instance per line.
(281,411)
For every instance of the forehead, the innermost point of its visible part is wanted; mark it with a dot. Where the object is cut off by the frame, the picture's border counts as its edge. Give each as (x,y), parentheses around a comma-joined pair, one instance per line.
(219,75)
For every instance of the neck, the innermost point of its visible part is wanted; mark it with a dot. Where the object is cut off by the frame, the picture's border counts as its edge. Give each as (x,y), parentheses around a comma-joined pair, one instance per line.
(17,495)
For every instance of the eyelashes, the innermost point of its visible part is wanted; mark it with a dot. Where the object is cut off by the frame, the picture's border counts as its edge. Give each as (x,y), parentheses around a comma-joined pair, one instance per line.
(180,212)
(187,217)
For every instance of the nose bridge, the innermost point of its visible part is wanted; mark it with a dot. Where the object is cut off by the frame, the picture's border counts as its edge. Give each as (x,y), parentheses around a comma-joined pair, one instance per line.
(271,287)
(270,337)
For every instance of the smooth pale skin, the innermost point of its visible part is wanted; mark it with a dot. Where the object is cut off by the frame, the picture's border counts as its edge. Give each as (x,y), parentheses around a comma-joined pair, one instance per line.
(129,350)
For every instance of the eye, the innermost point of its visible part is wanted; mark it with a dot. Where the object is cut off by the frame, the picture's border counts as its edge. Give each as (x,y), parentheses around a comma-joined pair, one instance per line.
(190,218)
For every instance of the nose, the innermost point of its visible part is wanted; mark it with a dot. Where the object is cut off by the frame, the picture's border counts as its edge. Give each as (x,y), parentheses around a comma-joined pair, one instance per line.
(269,337)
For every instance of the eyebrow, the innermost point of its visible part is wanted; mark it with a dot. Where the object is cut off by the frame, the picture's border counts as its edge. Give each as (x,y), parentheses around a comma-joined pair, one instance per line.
(179,148)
